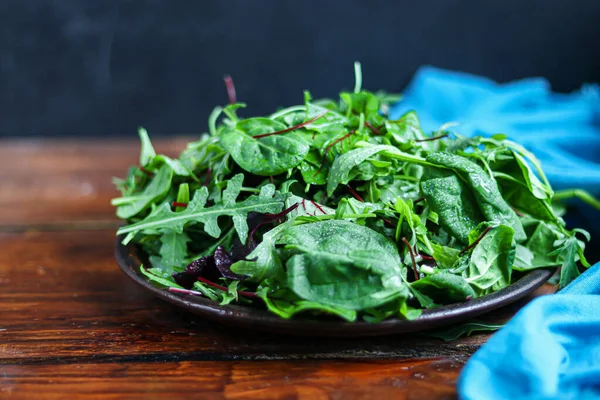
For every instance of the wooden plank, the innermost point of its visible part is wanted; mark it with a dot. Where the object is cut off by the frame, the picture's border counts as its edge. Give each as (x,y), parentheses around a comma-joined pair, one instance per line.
(311,380)
(62,297)
(60,182)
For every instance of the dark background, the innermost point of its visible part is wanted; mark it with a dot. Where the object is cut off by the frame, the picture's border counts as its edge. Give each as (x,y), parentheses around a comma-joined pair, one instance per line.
(103,67)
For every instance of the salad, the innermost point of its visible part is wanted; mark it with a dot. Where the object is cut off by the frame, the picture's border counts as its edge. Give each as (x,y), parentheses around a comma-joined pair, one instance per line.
(331,208)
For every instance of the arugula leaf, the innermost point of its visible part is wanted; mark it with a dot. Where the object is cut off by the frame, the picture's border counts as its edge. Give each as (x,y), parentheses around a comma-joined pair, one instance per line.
(173,250)
(268,201)
(160,280)
(569,250)
(541,245)
(128,207)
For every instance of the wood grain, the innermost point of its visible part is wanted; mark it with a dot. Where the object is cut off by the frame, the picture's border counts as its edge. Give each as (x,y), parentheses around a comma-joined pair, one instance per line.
(310,380)
(65,182)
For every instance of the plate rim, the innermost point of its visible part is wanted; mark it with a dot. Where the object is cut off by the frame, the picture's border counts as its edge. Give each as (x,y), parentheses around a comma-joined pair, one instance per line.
(263,320)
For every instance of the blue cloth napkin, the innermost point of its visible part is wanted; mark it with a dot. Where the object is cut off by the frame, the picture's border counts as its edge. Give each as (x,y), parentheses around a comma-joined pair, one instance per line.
(551,348)
(562,130)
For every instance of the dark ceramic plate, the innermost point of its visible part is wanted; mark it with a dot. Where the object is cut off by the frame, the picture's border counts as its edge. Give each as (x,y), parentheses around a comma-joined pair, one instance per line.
(260,319)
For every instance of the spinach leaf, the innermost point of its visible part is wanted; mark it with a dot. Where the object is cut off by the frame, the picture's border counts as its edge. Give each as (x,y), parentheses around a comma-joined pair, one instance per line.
(342,264)
(271,155)
(490,265)
(450,198)
(484,188)
(360,245)
(286,304)
(342,166)
(523,258)
(338,282)
(444,288)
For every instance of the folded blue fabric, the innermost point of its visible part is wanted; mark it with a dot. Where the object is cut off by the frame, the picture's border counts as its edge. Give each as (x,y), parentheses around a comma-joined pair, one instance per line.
(549,350)
(562,130)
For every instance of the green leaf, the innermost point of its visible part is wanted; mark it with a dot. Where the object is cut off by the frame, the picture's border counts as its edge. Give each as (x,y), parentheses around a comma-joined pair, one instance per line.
(343,165)
(405,129)
(444,256)
(490,265)
(158,187)
(265,262)
(342,264)
(406,214)
(179,168)
(161,281)
(465,329)
(520,187)
(444,288)
(523,259)
(173,250)
(311,170)
(271,155)
(268,201)
(306,208)
(541,244)
(183,195)
(484,188)
(569,253)
(286,304)
(147,153)
(450,198)
(328,280)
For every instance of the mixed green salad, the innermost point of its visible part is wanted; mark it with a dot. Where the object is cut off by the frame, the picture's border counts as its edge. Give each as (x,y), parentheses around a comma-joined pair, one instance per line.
(330,207)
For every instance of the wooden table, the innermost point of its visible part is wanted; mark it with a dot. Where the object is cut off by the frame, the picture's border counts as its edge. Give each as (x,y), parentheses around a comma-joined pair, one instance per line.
(71,322)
